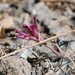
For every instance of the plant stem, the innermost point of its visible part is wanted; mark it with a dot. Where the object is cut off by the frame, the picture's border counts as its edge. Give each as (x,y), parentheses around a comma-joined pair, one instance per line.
(54,51)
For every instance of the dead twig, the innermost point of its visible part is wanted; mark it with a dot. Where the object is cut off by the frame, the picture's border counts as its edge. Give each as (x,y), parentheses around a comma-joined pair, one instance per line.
(7,38)
(71,1)
(61,66)
(43,58)
(41,42)
(71,60)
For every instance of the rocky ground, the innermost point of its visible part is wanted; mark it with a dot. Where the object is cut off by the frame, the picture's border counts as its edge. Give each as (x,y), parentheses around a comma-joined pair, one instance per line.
(54,18)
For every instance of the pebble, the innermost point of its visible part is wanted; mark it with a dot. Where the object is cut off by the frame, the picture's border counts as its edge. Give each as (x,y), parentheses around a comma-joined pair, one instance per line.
(72,45)
(28,53)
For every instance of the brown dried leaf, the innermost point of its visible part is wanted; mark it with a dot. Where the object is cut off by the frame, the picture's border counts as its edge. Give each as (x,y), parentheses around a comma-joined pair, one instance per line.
(6,23)
(2,33)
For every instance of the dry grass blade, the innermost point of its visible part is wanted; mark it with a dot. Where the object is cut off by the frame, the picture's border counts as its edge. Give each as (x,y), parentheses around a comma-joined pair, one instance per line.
(63,53)
(58,48)
(37,44)
(10,1)
(71,1)
(71,60)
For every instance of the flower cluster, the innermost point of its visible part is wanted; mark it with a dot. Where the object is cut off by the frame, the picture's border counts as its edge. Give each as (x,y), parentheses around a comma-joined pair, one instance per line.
(33,34)
(33,31)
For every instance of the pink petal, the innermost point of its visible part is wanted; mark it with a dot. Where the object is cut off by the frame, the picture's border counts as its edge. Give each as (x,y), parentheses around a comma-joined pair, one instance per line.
(20,36)
(27,28)
(23,37)
(33,38)
(31,30)
(36,23)
(27,38)
(40,37)
(34,31)
(21,33)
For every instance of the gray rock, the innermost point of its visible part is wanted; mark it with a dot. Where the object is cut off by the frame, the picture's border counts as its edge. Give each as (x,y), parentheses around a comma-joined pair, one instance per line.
(28,53)
(39,71)
(13,65)
(29,5)
(3,6)
(72,45)
(46,63)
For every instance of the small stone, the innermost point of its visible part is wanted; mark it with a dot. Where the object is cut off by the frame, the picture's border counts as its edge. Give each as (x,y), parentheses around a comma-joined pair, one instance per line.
(45,64)
(72,45)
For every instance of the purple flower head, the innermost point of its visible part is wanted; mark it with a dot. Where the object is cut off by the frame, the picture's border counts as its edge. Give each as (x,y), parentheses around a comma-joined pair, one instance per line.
(33,31)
